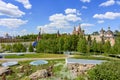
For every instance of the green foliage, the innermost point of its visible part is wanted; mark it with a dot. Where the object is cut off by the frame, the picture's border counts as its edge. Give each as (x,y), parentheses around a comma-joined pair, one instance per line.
(49,46)
(28,36)
(49,36)
(30,48)
(18,47)
(60,44)
(105,71)
(67,43)
(115,49)
(94,45)
(3,46)
(100,47)
(107,47)
(82,77)
(89,40)
(82,45)
(50,43)
(8,47)
(23,49)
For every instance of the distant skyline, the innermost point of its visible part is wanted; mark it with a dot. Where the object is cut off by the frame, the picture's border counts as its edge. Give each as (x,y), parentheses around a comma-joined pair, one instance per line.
(19,17)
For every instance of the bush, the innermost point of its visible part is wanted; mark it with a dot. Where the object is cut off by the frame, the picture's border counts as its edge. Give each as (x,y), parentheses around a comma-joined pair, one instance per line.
(105,71)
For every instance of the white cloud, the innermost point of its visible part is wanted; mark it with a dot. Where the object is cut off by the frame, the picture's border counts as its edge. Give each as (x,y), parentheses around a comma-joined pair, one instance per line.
(72,11)
(10,10)
(69,11)
(12,22)
(118,2)
(85,1)
(26,3)
(57,17)
(72,17)
(107,3)
(46,29)
(61,21)
(84,7)
(100,21)
(107,15)
(86,25)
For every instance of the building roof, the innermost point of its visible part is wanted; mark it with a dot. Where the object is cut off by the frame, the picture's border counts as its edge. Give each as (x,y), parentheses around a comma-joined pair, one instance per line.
(109,31)
(102,30)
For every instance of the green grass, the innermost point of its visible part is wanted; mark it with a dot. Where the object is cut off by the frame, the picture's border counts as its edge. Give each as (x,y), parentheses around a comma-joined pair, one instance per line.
(29,70)
(37,55)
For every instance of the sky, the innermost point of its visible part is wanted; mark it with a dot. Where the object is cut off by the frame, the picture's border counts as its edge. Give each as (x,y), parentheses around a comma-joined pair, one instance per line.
(20,17)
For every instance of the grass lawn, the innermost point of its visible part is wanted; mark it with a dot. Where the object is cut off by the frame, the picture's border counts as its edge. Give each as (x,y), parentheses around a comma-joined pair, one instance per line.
(28,70)
(37,55)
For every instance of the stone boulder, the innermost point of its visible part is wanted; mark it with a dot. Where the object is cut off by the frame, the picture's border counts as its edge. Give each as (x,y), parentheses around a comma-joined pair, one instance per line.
(39,74)
(78,69)
(5,70)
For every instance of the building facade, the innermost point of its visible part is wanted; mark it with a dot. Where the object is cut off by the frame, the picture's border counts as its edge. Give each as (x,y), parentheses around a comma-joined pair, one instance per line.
(107,36)
(78,31)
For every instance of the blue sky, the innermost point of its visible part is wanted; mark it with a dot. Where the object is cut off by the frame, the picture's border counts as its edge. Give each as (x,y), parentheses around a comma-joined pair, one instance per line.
(19,17)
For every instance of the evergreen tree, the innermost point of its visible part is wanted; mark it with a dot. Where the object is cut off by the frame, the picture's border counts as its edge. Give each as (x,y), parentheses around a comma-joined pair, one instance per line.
(3,46)
(89,40)
(82,45)
(94,45)
(115,49)
(41,46)
(100,47)
(8,47)
(107,47)
(23,49)
(74,41)
(66,43)
(88,48)
(30,49)
(60,44)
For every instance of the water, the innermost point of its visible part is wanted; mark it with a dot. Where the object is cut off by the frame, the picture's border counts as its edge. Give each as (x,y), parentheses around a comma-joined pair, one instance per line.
(38,62)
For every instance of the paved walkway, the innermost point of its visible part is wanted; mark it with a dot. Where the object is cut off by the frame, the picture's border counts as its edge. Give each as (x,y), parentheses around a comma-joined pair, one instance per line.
(112,58)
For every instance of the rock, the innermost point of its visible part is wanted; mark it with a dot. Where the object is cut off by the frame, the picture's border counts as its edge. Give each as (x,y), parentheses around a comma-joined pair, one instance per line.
(19,67)
(5,70)
(78,69)
(39,74)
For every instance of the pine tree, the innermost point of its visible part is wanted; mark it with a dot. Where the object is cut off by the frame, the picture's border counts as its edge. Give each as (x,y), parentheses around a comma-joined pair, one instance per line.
(94,45)
(82,45)
(107,47)
(30,49)
(89,40)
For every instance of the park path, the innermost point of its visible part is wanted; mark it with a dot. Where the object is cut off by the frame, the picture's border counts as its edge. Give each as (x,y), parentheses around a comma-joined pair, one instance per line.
(112,58)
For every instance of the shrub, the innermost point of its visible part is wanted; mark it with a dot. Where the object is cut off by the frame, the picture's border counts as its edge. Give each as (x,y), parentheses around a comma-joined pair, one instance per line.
(105,71)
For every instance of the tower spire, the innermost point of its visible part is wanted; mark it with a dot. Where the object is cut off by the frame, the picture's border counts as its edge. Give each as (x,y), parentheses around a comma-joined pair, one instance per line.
(39,35)
(109,28)
(79,28)
(74,28)
(58,33)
